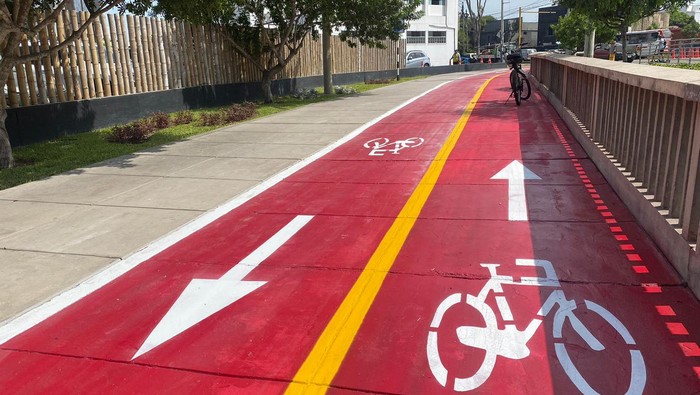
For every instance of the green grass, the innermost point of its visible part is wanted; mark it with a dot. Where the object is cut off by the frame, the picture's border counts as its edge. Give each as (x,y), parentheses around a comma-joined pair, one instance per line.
(41,160)
(691,66)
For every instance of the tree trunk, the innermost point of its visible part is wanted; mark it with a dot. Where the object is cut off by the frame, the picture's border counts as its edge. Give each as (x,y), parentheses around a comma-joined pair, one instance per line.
(589,44)
(327,60)
(267,86)
(6,159)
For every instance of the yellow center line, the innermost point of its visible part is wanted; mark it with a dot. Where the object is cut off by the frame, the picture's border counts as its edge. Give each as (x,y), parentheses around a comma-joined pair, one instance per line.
(322,364)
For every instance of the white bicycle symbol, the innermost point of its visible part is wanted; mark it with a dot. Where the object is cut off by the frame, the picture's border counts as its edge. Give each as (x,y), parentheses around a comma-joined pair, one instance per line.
(512,343)
(379,145)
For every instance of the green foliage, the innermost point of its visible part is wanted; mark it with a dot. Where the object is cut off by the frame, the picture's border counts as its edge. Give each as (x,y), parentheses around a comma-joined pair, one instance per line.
(686,66)
(690,28)
(571,30)
(618,14)
(370,21)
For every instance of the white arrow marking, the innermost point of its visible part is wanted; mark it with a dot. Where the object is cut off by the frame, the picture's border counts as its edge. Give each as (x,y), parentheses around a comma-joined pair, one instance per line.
(516,174)
(202,298)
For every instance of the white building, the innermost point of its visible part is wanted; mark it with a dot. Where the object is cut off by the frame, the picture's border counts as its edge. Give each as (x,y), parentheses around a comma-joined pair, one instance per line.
(436,32)
(694,11)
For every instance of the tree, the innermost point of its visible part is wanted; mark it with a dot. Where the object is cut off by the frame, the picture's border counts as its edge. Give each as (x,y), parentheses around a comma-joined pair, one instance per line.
(270,33)
(620,14)
(28,17)
(571,30)
(689,26)
(368,21)
(475,16)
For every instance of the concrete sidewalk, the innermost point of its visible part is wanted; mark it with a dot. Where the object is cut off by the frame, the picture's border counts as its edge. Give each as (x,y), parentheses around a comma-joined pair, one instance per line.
(56,232)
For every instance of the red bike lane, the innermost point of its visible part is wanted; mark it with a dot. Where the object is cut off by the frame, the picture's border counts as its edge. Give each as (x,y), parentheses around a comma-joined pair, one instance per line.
(237,305)
(575,298)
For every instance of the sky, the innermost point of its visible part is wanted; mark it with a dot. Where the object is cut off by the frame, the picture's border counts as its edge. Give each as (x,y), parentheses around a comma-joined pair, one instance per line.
(510,8)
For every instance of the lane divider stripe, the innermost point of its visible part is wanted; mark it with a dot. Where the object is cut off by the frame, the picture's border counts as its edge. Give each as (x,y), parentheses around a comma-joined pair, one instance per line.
(322,364)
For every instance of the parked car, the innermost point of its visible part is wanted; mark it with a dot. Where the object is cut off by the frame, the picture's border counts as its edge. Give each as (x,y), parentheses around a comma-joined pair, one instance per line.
(526,52)
(417,58)
(602,51)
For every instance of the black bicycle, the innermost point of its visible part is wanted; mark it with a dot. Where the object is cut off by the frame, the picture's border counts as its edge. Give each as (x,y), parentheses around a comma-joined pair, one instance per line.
(519,84)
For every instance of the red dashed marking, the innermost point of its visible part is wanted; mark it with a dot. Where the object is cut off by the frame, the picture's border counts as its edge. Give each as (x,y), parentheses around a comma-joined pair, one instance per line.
(652,288)
(676,328)
(665,310)
(690,349)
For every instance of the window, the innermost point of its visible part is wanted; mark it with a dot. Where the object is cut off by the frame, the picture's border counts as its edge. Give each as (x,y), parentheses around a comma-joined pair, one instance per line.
(437,37)
(415,37)
(437,2)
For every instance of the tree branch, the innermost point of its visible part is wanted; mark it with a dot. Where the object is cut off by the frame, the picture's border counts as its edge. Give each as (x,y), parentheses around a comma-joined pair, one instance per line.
(69,40)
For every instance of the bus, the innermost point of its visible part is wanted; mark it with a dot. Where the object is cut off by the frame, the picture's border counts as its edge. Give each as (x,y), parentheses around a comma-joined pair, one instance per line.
(645,43)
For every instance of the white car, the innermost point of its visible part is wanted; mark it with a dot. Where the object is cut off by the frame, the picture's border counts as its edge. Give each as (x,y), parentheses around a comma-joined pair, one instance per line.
(417,58)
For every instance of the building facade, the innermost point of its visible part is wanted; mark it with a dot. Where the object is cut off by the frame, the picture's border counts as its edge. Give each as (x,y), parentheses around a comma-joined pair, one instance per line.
(436,32)
(546,17)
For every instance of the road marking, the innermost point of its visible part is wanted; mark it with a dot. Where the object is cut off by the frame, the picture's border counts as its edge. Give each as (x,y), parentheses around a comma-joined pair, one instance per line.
(516,174)
(322,364)
(15,326)
(380,146)
(205,297)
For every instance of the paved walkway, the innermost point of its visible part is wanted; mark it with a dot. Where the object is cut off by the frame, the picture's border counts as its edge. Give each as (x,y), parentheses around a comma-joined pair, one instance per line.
(55,233)
(453,244)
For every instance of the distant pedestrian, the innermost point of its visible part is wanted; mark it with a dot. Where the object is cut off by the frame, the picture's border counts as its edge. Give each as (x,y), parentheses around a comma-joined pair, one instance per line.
(456,58)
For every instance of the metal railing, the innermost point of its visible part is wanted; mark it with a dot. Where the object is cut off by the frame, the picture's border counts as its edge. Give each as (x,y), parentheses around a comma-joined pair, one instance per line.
(645,120)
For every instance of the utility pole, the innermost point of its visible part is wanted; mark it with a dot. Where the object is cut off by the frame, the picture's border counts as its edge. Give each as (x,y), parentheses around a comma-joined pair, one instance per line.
(503,31)
(520,27)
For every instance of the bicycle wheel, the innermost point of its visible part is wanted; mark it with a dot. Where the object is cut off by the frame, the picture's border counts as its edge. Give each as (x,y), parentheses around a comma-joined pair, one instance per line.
(637,368)
(525,86)
(514,81)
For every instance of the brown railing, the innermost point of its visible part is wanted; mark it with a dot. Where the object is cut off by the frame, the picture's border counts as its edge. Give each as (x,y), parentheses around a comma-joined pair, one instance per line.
(120,55)
(645,120)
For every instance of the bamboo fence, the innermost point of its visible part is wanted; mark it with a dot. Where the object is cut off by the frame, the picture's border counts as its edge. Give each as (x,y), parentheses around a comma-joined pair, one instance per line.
(126,54)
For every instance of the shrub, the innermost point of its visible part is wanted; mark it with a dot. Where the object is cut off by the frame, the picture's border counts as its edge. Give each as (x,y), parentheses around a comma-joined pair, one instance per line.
(211,118)
(344,90)
(132,133)
(182,118)
(159,120)
(305,94)
(239,112)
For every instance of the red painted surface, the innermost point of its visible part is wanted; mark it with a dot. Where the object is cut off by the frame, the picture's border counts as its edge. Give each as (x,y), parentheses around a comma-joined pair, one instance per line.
(260,341)
(257,344)
(576,222)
